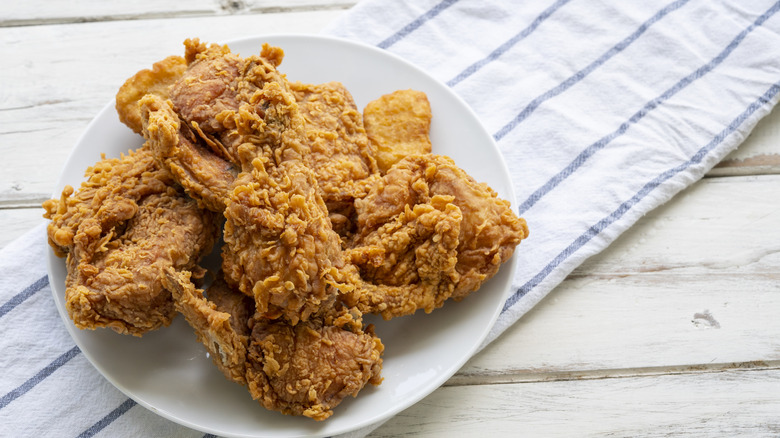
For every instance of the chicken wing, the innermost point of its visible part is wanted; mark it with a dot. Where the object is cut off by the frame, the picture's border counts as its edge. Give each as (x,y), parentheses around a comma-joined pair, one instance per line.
(221,321)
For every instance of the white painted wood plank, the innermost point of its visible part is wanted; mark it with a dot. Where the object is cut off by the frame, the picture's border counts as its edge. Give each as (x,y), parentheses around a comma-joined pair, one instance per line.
(295,5)
(36,12)
(758,154)
(63,75)
(722,404)
(17,221)
(643,302)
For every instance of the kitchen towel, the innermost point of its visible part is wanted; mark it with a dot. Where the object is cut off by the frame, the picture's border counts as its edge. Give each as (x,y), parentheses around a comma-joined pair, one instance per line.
(603,110)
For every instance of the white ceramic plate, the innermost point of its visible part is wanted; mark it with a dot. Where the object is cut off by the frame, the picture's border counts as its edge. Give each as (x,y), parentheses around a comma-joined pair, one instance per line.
(168,372)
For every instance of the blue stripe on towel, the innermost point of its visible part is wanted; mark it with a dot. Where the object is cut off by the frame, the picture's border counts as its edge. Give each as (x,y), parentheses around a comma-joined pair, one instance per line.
(108,419)
(565,85)
(414,25)
(38,378)
(23,295)
(639,115)
(473,68)
(641,194)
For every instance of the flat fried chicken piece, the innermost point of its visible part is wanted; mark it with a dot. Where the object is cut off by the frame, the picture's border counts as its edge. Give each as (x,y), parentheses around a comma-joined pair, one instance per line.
(279,244)
(156,81)
(221,321)
(340,155)
(488,233)
(123,227)
(120,287)
(398,124)
(309,368)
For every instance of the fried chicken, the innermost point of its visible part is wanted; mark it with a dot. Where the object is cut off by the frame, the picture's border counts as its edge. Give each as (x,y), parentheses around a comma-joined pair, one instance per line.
(309,368)
(223,112)
(221,321)
(239,107)
(408,263)
(306,369)
(340,154)
(428,232)
(398,125)
(329,214)
(279,244)
(124,226)
(204,175)
(156,81)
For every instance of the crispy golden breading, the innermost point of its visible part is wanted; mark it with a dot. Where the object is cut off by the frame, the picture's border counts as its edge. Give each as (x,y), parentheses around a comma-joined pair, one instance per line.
(408,263)
(309,368)
(205,176)
(223,112)
(119,231)
(279,244)
(306,369)
(240,108)
(157,81)
(221,321)
(428,232)
(104,201)
(398,124)
(339,155)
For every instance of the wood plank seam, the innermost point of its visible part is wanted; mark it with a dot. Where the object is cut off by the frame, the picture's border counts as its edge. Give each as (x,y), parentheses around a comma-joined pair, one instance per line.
(530,376)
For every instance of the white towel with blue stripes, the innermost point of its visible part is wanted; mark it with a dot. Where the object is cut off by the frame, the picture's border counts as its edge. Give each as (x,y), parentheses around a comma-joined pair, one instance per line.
(603,110)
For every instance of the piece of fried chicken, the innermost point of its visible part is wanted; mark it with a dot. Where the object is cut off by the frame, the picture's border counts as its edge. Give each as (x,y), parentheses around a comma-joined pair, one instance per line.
(280,247)
(221,321)
(224,111)
(156,81)
(397,125)
(126,224)
(309,368)
(428,232)
(306,369)
(340,155)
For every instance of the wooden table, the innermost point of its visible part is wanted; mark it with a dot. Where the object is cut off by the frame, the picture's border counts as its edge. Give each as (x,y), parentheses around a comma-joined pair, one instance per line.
(673,330)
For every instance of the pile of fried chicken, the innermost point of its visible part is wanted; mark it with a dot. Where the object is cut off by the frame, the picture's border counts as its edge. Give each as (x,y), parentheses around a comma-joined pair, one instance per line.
(325,214)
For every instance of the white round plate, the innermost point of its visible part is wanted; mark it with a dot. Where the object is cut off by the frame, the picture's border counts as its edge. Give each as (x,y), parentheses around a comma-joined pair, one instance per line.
(168,372)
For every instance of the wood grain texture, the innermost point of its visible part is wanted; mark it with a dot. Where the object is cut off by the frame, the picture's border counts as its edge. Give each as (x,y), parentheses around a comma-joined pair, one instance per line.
(17,221)
(44,12)
(759,153)
(721,404)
